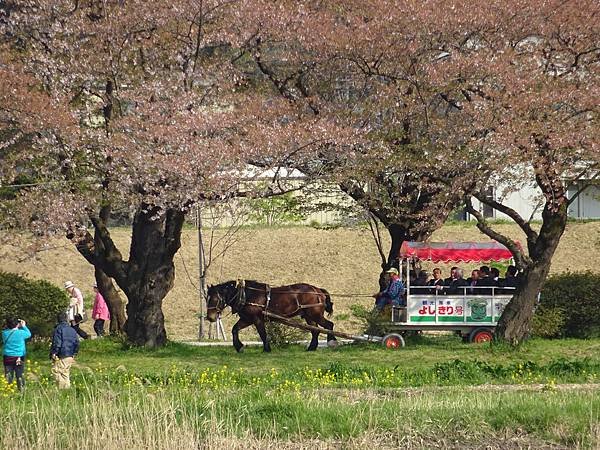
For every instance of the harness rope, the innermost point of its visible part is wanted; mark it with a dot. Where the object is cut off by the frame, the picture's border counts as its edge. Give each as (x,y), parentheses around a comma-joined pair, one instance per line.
(315,293)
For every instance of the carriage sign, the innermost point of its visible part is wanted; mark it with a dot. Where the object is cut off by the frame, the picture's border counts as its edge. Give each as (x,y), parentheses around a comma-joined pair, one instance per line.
(449,309)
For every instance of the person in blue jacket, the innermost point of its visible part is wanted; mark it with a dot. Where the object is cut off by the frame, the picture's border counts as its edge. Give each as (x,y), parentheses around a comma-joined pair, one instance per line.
(14,336)
(65,345)
(393,294)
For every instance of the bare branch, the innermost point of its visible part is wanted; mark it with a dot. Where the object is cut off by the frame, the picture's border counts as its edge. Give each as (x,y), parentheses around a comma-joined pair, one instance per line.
(514,215)
(521,259)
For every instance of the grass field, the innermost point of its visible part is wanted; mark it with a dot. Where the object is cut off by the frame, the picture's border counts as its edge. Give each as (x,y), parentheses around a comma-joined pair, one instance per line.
(435,393)
(342,260)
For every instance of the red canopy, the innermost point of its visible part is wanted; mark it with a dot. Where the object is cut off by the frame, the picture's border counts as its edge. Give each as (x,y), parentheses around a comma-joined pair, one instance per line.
(456,251)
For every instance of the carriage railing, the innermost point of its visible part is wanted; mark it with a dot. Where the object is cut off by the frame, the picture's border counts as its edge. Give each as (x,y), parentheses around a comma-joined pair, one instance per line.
(460,290)
(436,303)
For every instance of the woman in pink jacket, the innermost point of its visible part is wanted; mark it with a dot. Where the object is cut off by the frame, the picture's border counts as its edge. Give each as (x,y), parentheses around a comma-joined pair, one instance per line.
(100,312)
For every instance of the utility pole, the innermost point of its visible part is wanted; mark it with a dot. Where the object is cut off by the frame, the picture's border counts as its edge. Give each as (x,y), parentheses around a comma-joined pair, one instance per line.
(202,275)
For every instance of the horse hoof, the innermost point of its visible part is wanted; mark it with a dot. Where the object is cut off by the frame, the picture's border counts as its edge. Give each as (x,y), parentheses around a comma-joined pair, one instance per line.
(240,350)
(309,349)
(266,350)
(332,344)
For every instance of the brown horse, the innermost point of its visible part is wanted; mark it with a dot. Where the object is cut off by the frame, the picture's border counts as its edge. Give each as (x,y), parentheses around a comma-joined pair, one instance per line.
(250,299)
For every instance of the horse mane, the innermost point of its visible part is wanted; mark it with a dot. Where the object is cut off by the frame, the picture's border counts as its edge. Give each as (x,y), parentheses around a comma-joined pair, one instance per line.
(253,284)
(252,288)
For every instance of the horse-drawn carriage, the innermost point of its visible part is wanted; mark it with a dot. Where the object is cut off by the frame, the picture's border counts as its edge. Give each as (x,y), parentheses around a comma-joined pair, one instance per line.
(471,311)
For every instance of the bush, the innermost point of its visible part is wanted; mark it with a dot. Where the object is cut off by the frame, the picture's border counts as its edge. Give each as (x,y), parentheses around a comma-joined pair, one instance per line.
(37,302)
(280,334)
(372,321)
(548,322)
(575,296)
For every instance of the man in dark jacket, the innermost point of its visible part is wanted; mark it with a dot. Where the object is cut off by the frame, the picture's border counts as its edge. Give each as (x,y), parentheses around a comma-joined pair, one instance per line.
(65,345)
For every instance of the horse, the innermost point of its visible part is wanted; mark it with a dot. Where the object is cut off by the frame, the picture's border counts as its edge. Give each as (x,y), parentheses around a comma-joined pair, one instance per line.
(250,299)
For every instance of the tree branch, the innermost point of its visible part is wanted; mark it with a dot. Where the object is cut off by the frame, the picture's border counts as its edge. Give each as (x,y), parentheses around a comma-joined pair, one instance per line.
(521,259)
(173,225)
(583,187)
(514,215)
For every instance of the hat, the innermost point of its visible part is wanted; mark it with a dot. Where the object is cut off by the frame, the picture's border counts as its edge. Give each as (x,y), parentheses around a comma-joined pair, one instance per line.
(392,270)
(68,284)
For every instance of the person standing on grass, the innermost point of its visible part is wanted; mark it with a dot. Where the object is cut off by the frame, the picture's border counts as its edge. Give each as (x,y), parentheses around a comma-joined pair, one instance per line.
(14,336)
(100,312)
(65,345)
(75,312)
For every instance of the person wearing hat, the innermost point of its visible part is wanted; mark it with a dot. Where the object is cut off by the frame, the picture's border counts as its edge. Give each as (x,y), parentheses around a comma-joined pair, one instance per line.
(393,293)
(100,312)
(75,312)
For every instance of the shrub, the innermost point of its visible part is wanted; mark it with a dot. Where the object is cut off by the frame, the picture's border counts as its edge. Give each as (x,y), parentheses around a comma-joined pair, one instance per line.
(548,322)
(280,334)
(577,297)
(36,301)
(372,321)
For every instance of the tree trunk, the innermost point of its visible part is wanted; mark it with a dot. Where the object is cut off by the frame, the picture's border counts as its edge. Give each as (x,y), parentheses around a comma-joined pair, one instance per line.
(515,322)
(115,303)
(151,273)
(398,235)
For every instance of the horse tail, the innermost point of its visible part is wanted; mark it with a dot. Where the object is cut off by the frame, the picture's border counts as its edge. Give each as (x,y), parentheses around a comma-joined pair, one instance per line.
(328,303)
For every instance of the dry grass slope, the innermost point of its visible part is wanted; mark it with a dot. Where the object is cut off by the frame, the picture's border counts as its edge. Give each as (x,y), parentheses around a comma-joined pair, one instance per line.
(344,261)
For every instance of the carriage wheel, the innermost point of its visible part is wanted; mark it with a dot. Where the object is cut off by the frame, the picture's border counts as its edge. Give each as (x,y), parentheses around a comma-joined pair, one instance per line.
(393,341)
(479,335)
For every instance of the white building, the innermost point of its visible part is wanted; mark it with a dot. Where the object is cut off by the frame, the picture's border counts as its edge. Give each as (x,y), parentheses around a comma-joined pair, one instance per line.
(528,202)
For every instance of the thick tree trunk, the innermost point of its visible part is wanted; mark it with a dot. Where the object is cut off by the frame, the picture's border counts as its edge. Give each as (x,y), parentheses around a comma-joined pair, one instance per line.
(115,303)
(146,323)
(398,234)
(515,322)
(150,274)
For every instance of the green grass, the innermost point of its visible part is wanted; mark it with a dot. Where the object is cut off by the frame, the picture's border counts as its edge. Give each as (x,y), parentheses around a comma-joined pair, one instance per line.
(419,353)
(107,415)
(435,392)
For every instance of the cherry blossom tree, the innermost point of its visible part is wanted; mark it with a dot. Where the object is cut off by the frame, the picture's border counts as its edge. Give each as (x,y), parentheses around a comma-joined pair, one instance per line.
(542,84)
(120,104)
(371,70)
(495,92)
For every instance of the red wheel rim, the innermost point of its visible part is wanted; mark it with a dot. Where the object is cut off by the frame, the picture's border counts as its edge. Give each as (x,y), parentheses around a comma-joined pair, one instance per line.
(482,336)
(392,342)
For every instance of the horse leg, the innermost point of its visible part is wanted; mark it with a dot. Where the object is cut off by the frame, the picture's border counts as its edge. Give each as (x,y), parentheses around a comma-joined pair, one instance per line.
(314,342)
(262,332)
(328,324)
(240,325)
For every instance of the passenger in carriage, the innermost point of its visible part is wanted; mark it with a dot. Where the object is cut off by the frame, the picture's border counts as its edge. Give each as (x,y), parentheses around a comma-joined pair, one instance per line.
(452,276)
(472,282)
(484,272)
(420,283)
(511,281)
(437,282)
(457,283)
(495,275)
(486,279)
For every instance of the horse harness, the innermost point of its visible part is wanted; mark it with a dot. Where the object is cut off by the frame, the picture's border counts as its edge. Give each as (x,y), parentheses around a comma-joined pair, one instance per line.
(268,300)
(239,300)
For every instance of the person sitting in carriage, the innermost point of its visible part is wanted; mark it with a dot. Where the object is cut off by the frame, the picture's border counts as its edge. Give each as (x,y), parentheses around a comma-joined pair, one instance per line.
(393,294)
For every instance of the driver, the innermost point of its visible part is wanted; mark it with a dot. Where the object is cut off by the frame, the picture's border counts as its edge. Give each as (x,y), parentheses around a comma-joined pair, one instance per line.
(393,293)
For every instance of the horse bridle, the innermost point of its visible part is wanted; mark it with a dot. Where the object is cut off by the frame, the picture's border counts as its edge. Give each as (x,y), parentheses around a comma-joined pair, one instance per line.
(218,307)
(222,303)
